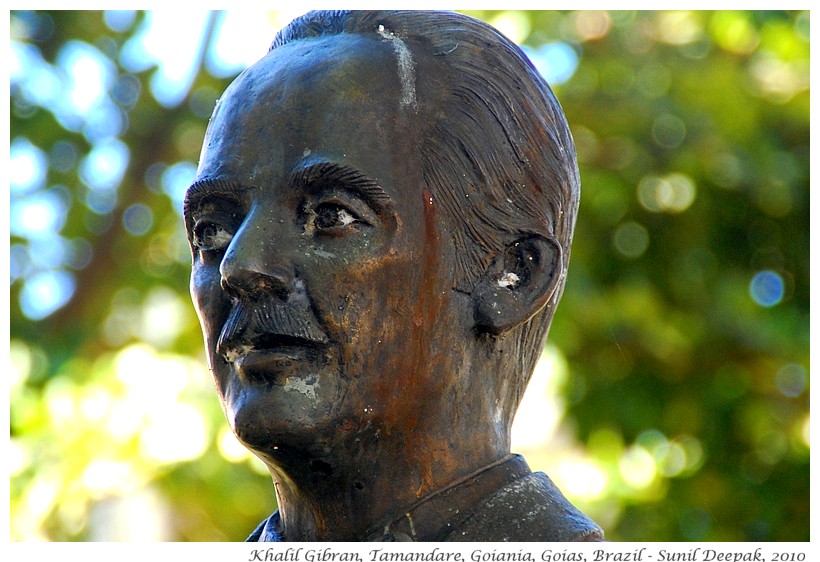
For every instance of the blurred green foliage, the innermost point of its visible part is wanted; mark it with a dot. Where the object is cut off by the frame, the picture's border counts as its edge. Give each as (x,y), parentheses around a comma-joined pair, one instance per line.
(684,324)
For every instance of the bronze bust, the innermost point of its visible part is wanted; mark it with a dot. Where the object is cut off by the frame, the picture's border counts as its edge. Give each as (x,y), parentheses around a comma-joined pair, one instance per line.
(380,227)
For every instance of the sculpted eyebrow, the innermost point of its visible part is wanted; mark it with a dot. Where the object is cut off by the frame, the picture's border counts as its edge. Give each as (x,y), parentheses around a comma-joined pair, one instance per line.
(331,174)
(210,187)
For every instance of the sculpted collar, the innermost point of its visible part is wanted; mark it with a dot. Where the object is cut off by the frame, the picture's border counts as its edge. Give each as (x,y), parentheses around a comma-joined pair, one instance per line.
(432,518)
(504,501)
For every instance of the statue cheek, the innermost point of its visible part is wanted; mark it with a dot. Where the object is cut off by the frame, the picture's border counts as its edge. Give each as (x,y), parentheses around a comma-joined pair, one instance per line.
(210,302)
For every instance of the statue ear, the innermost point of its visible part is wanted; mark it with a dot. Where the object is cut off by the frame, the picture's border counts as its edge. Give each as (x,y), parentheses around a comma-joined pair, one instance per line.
(518,285)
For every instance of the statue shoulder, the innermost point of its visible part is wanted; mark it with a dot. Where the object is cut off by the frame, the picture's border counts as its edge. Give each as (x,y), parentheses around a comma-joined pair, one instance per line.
(531,508)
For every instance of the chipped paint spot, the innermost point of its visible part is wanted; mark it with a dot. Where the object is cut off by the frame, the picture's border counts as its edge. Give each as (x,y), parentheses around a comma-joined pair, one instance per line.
(509,280)
(344,217)
(306,386)
(234,353)
(412,526)
(407,71)
(323,254)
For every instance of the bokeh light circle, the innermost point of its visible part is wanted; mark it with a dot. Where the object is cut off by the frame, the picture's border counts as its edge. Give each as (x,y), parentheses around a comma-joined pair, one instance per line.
(767,288)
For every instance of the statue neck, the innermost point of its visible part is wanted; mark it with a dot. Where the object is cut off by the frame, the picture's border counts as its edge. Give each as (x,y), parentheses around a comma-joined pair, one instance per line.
(319,502)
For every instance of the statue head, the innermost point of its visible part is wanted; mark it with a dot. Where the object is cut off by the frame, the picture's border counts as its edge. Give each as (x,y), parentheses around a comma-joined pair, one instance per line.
(380,227)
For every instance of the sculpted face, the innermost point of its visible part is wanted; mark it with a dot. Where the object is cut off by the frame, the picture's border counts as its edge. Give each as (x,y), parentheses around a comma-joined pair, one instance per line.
(320,277)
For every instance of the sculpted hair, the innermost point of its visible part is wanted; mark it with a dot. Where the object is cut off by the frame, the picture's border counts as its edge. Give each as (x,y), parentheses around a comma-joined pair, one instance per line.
(497,151)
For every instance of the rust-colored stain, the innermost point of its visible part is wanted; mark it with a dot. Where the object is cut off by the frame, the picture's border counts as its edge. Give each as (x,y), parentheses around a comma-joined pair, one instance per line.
(427,307)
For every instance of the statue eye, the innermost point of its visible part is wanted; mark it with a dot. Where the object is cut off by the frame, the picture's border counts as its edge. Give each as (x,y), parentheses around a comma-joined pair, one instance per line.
(333,217)
(209,236)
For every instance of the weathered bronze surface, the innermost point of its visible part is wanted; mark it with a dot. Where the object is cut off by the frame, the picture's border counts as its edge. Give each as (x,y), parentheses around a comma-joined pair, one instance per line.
(380,228)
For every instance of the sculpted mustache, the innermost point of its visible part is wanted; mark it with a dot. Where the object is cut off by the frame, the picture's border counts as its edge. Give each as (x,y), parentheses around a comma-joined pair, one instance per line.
(250,322)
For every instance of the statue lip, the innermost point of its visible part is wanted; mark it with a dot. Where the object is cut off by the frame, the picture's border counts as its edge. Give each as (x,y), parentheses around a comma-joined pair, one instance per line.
(268,346)
(272,358)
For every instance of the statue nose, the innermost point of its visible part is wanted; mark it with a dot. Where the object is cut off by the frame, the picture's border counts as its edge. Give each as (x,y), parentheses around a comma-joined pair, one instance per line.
(252,268)
(254,281)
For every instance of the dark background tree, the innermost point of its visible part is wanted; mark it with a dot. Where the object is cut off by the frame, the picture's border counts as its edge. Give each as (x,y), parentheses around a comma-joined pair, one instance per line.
(680,352)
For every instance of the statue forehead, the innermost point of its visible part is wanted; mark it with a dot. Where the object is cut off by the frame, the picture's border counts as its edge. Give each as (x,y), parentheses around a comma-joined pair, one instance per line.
(368,67)
(314,95)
